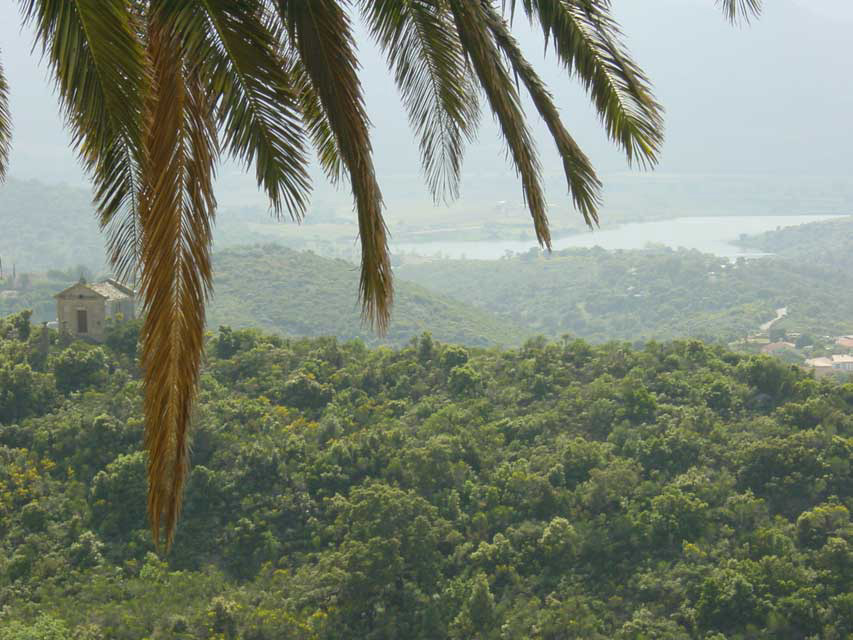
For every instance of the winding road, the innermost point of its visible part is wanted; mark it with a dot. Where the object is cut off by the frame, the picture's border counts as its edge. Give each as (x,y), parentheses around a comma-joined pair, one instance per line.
(781,312)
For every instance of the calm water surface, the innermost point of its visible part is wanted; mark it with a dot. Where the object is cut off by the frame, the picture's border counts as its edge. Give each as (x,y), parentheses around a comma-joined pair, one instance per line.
(714,235)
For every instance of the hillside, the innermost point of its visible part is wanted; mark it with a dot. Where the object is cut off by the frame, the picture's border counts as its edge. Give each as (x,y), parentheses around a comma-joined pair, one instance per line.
(651,294)
(600,296)
(628,295)
(827,245)
(555,491)
(303,294)
(298,294)
(52,227)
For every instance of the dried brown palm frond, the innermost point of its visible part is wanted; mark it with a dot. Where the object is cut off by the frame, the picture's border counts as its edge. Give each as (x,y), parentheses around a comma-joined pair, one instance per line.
(321,35)
(177,206)
(5,126)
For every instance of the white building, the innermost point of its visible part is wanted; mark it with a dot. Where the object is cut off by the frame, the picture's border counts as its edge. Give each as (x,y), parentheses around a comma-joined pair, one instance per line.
(831,364)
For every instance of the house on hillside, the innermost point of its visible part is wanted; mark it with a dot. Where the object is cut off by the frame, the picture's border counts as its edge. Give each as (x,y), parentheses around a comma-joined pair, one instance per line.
(845,341)
(832,364)
(83,309)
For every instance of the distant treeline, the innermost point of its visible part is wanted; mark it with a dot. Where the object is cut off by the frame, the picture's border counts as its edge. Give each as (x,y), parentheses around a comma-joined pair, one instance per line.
(651,294)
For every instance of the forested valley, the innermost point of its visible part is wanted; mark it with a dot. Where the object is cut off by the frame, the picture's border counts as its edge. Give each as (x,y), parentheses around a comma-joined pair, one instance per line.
(554,490)
(658,293)
(661,293)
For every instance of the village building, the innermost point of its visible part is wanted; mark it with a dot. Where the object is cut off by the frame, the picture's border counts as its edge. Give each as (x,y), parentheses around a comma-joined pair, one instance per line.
(845,341)
(83,309)
(831,364)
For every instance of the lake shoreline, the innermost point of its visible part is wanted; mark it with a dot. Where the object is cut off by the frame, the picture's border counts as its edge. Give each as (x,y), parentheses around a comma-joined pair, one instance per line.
(718,235)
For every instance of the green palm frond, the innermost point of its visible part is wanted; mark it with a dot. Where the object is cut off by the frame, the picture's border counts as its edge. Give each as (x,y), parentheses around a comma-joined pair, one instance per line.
(177,208)
(423,50)
(584,185)
(317,121)
(588,42)
(5,126)
(258,111)
(740,10)
(98,64)
(504,101)
(321,35)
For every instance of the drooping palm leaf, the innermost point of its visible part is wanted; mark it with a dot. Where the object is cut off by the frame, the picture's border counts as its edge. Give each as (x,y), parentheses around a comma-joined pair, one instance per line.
(503,98)
(584,185)
(258,111)
(423,50)
(320,33)
(588,42)
(177,207)
(316,120)
(5,126)
(98,65)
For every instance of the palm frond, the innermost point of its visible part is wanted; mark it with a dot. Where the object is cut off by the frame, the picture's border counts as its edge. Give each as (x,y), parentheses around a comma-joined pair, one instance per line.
(98,64)
(176,214)
(422,47)
(317,122)
(588,42)
(583,183)
(258,111)
(740,10)
(503,98)
(321,35)
(5,126)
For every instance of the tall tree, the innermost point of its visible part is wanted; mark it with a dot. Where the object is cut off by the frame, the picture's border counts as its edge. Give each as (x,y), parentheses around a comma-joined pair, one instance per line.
(155,92)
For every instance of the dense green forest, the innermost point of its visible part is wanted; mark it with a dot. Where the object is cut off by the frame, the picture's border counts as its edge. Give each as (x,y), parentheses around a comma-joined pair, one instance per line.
(650,294)
(558,490)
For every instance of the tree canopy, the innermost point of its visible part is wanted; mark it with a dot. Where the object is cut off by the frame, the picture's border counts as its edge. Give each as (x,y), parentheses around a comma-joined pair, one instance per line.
(557,490)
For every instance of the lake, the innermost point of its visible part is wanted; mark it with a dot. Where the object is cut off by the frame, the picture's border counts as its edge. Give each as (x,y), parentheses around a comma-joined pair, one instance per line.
(715,235)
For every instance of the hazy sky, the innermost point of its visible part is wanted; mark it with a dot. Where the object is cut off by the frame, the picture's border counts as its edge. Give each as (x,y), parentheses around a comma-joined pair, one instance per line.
(771,98)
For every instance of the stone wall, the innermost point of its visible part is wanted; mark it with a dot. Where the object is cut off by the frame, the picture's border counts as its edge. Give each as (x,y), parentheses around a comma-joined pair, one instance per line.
(124,307)
(82,298)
